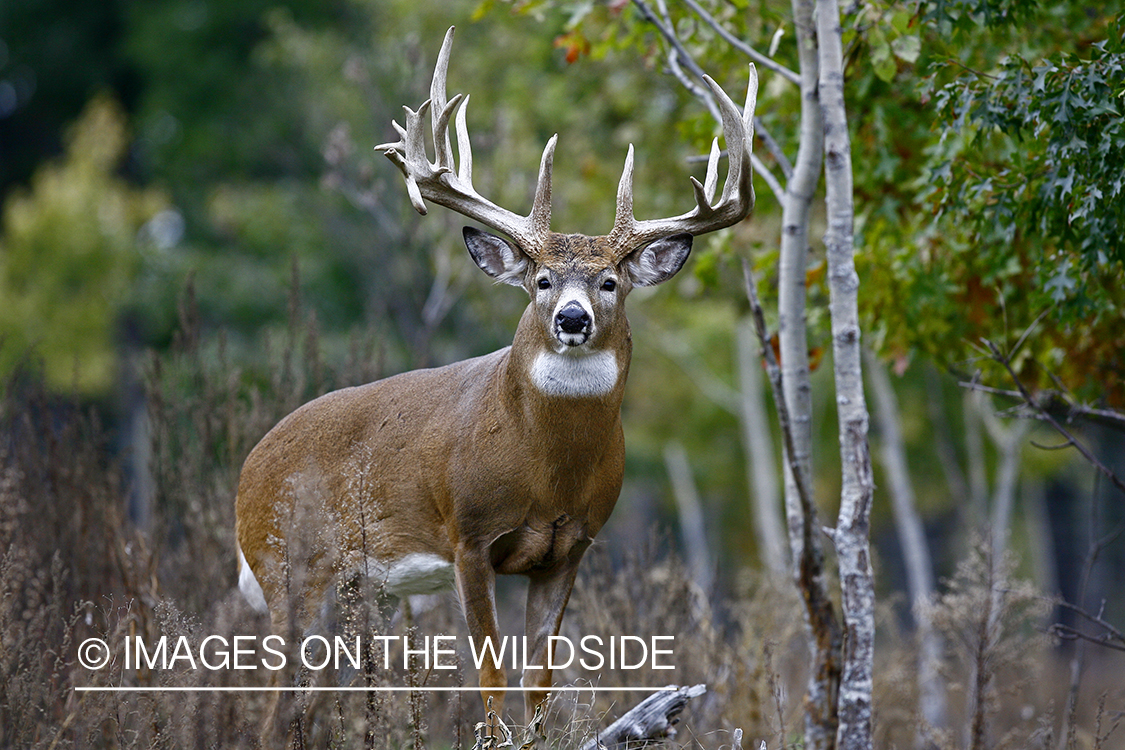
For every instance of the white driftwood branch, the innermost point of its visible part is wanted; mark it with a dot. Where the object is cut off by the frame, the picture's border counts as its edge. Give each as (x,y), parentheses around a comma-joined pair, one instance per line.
(653,718)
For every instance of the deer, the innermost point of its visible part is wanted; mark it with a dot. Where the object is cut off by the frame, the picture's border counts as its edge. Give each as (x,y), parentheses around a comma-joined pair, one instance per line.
(508,463)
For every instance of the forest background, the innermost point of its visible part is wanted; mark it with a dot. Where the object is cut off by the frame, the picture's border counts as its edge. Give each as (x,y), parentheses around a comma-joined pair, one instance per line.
(196,237)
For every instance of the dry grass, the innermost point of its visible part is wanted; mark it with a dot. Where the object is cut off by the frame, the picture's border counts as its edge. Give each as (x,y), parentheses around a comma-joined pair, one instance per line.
(74,566)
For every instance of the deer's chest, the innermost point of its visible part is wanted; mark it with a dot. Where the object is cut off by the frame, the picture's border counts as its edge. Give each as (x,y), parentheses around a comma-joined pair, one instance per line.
(537,544)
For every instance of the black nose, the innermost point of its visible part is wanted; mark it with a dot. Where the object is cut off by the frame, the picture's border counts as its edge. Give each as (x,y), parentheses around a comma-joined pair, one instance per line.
(573,318)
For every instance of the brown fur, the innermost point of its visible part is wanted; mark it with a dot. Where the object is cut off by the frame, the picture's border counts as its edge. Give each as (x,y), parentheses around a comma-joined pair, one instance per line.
(470,462)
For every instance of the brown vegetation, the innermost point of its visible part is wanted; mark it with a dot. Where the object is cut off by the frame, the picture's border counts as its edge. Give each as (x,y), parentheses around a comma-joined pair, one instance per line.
(74,565)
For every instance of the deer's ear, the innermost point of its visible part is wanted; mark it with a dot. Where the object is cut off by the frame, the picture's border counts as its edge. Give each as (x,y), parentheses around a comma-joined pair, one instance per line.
(496,256)
(658,261)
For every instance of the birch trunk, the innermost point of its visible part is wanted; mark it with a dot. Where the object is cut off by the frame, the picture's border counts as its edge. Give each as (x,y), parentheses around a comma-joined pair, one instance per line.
(804,525)
(915,550)
(761,464)
(974,451)
(853,524)
(793,339)
(1044,556)
(690,510)
(1009,445)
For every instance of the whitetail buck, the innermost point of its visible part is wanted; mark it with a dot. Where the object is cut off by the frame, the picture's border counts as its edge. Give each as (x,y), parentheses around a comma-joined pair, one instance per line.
(508,463)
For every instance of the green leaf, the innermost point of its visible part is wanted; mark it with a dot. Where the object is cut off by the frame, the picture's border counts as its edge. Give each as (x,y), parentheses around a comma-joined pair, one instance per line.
(900,21)
(707,268)
(1062,283)
(881,57)
(886,68)
(482,10)
(907,48)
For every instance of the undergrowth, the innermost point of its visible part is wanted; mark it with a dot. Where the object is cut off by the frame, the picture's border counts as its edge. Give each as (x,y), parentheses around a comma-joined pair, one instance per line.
(125,533)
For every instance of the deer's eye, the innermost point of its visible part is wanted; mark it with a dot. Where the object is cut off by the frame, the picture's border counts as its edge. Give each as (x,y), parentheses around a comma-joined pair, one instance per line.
(609,285)
(544,283)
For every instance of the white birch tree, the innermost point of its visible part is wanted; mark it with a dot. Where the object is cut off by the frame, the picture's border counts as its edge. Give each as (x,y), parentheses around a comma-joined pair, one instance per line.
(838,699)
(915,550)
(852,535)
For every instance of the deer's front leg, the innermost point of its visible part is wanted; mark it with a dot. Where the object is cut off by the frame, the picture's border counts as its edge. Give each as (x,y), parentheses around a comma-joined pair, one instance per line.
(547,595)
(476,586)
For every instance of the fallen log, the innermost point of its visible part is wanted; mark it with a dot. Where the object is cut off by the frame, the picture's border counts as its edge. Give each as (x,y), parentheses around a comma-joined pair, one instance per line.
(651,720)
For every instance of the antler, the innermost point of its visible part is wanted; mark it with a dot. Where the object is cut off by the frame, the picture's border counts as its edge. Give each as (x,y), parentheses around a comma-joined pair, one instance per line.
(435,181)
(738,192)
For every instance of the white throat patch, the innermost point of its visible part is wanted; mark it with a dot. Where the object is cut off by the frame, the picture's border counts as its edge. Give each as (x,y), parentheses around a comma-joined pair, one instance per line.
(575,375)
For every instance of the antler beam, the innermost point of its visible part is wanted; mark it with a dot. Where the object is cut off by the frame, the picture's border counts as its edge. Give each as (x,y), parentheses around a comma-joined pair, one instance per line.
(738,192)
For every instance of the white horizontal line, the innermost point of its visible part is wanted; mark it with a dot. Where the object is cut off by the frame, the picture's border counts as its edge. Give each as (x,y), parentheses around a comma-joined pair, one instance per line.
(389,689)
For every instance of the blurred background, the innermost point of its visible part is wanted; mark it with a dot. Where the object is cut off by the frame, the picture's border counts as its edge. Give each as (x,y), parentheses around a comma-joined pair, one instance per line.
(196,237)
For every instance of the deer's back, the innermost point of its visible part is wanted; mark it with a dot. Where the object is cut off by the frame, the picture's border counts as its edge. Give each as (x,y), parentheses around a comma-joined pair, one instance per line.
(365,467)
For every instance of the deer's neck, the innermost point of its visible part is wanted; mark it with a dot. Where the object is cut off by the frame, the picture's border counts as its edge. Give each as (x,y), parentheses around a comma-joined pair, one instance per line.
(566,376)
(584,385)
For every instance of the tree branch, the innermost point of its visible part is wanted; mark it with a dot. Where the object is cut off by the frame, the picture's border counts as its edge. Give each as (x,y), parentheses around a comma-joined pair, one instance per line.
(762,465)
(1056,402)
(1111,638)
(678,55)
(820,613)
(743,47)
(702,94)
(1030,401)
(773,370)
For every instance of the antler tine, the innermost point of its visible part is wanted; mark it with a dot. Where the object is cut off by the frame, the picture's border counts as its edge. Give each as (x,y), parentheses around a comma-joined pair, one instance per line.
(737,198)
(464,149)
(624,195)
(540,216)
(751,100)
(734,129)
(437,182)
(443,151)
(712,179)
(705,192)
(415,162)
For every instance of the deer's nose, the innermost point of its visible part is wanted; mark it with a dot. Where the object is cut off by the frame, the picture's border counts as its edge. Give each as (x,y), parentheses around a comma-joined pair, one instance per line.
(573,318)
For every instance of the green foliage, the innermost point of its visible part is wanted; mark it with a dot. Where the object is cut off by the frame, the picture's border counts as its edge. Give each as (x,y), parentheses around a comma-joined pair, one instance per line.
(1021,176)
(1058,128)
(891,35)
(207,109)
(966,16)
(258,120)
(984,186)
(227,121)
(68,257)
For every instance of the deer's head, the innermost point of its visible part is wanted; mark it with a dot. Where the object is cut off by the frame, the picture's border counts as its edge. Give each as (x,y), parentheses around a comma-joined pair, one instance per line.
(577,283)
